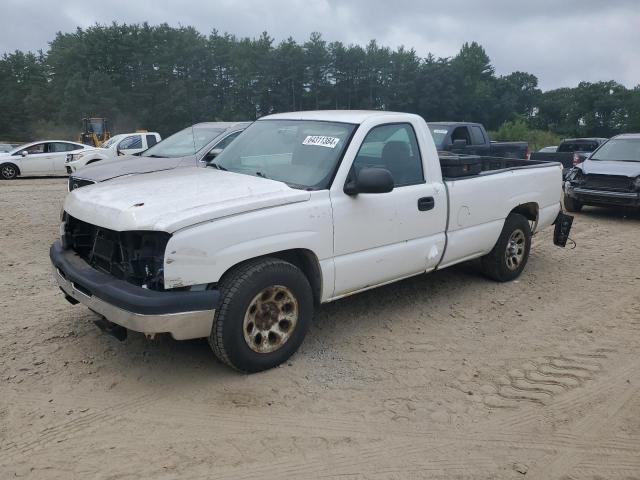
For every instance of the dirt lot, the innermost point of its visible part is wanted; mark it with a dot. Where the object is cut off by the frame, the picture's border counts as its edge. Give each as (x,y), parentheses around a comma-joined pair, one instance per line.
(442,376)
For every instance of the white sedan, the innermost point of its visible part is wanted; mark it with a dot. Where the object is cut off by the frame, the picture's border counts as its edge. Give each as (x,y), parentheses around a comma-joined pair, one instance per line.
(44,158)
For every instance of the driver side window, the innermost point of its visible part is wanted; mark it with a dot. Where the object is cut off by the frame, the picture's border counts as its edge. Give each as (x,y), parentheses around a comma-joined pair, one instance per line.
(38,148)
(222,144)
(395,148)
(134,141)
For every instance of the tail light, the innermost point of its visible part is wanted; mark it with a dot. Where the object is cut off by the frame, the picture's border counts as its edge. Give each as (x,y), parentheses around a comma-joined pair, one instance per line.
(527,154)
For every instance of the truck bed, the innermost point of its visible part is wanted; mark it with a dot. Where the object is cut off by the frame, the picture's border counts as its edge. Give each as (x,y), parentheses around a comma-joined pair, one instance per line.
(484,165)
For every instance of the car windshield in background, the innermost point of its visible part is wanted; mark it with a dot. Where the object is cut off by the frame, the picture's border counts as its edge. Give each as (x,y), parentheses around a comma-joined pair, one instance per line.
(571,147)
(301,153)
(620,149)
(183,143)
(438,133)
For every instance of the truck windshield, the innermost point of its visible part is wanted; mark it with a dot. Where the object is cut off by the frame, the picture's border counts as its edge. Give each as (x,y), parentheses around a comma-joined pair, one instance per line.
(439,133)
(185,142)
(620,149)
(301,153)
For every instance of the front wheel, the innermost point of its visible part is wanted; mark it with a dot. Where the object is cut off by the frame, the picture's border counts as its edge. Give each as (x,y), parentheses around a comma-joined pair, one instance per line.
(265,310)
(8,171)
(507,259)
(571,204)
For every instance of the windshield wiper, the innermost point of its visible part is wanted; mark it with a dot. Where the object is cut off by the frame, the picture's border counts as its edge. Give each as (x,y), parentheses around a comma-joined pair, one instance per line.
(217,166)
(155,156)
(262,175)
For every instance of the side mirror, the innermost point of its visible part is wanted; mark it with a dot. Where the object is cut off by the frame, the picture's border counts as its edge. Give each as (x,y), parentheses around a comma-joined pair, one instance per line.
(24,153)
(370,180)
(459,143)
(212,154)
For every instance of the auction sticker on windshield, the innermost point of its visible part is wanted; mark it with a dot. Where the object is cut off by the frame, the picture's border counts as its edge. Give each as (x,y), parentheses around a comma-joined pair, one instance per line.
(321,141)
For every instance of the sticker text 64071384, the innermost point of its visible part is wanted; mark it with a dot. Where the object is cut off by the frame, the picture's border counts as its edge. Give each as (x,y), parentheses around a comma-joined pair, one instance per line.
(321,141)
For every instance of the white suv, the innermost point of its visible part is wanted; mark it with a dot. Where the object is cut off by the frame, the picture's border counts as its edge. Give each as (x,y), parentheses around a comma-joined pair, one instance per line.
(122,144)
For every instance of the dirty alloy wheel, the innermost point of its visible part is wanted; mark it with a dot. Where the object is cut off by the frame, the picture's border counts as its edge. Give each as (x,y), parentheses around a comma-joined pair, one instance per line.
(8,171)
(571,204)
(507,259)
(265,309)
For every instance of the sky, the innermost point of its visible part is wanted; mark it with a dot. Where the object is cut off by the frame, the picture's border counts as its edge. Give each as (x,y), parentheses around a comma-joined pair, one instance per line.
(562,42)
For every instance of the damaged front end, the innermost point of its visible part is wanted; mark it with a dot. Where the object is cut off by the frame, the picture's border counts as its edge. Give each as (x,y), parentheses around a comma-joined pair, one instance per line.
(136,257)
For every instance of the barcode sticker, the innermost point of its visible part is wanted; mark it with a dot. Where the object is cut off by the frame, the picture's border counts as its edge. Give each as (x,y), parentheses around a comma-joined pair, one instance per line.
(321,141)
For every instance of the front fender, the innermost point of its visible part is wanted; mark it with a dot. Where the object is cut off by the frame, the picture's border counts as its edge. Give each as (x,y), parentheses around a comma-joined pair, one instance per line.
(201,254)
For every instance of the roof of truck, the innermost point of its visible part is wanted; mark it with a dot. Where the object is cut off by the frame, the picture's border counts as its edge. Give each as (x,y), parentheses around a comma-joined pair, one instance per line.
(345,116)
(585,139)
(225,125)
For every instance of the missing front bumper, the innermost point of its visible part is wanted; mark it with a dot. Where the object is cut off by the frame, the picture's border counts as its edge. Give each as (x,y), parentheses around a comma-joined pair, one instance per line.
(183,314)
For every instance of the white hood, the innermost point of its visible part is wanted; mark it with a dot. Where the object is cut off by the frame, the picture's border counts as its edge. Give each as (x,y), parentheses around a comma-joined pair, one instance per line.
(170,200)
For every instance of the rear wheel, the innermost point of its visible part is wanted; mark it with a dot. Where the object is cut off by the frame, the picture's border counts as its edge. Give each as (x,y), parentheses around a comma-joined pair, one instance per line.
(8,171)
(265,310)
(571,204)
(507,259)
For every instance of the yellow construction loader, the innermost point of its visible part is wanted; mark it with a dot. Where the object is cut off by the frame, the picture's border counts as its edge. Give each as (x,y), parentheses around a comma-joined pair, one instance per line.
(95,131)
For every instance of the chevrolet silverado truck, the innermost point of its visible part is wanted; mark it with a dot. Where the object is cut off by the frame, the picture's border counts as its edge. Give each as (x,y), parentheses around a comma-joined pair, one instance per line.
(610,177)
(472,139)
(301,209)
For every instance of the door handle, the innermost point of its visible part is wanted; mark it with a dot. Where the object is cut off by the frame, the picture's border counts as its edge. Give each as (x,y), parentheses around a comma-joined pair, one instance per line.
(426,203)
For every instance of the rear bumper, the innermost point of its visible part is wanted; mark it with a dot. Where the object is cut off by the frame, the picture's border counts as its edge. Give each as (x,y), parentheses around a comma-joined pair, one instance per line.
(183,314)
(603,197)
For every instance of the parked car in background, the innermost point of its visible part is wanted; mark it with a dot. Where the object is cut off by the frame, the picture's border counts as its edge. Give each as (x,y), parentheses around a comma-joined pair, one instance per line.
(551,149)
(43,158)
(118,145)
(570,152)
(303,208)
(193,146)
(472,139)
(609,177)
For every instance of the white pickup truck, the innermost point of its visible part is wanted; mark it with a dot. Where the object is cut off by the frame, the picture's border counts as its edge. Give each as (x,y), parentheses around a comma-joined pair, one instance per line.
(121,144)
(303,208)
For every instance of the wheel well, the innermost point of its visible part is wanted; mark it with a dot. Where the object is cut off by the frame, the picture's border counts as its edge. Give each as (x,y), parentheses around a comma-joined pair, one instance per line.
(11,163)
(529,211)
(93,160)
(305,260)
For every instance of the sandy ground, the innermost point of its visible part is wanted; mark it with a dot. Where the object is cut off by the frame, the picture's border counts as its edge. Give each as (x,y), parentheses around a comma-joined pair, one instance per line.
(446,375)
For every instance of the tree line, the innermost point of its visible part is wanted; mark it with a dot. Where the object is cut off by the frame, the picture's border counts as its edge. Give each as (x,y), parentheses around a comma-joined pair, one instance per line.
(163,78)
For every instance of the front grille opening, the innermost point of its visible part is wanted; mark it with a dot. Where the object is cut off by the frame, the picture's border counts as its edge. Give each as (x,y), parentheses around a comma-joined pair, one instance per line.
(134,256)
(613,183)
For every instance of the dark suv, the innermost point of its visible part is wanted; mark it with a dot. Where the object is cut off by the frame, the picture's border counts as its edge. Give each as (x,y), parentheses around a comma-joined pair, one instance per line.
(609,177)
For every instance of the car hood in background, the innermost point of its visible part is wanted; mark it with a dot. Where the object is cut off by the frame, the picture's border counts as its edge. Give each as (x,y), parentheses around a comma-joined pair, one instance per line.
(168,201)
(607,167)
(130,165)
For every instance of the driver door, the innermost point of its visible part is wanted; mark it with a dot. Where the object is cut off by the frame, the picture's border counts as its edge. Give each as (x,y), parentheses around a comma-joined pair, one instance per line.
(37,161)
(382,237)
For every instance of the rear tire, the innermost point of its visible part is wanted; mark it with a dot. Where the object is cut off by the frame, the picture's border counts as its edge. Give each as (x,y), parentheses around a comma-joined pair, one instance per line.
(509,256)
(265,310)
(8,171)
(571,204)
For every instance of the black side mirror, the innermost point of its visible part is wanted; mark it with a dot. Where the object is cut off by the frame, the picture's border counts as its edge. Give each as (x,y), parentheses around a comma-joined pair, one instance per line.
(370,180)
(459,143)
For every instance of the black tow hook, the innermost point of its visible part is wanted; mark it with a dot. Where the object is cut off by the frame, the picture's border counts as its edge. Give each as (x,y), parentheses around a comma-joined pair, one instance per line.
(111,328)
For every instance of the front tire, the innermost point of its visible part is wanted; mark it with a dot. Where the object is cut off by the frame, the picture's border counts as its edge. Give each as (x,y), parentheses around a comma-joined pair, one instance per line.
(509,256)
(571,204)
(8,171)
(265,311)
